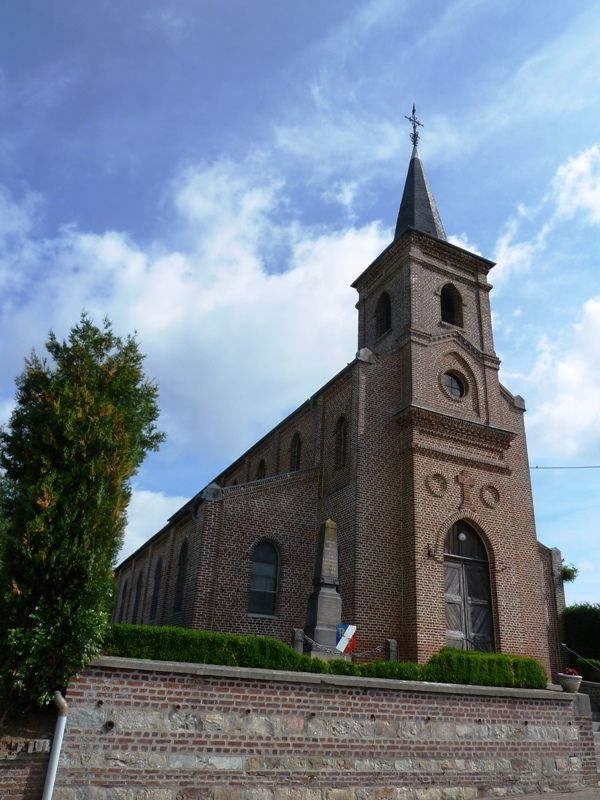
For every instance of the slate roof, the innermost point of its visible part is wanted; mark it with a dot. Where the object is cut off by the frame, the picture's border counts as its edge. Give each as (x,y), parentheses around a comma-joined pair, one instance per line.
(418,209)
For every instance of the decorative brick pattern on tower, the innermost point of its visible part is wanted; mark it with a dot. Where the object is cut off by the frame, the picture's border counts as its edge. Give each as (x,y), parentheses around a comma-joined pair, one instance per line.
(433,446)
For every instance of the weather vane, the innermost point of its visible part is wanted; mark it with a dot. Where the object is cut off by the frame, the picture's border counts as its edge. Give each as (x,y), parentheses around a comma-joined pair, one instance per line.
(414,137)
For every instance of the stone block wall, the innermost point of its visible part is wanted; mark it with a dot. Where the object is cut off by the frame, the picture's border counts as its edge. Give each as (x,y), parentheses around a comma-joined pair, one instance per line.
(165,731)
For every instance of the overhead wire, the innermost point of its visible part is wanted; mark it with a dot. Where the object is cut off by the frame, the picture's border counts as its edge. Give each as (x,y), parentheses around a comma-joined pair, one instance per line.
(582,466)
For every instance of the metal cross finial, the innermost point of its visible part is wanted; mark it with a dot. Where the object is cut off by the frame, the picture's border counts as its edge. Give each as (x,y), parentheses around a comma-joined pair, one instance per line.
(414,137)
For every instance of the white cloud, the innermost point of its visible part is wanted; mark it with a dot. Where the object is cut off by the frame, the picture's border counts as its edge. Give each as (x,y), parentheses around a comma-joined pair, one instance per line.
(574,192)
(232,344)
(16,219)
(585,566)
(51,84)
(148,512)
(233,198)
(514,256)
(576,187)
(6,409)
(344,193)
(340,141)
(557,80)
(342,122)
(173,25)
(567,421)
(563,381)
(561,77)
(462,240)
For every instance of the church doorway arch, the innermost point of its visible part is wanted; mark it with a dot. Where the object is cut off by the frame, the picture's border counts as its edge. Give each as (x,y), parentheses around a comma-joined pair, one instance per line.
(469,620)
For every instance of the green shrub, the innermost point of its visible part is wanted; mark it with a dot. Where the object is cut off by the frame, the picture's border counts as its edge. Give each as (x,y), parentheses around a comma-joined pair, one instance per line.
(528,673)
(338,666)
(582,629)
(262,652)
(484,669)
(568,573)
(206,647)
(396,670)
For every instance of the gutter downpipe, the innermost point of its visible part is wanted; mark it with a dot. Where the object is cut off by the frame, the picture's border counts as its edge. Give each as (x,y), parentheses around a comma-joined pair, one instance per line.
(59,730)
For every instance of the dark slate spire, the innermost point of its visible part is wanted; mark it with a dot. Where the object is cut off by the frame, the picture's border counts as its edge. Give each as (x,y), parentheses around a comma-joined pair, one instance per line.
(418,209)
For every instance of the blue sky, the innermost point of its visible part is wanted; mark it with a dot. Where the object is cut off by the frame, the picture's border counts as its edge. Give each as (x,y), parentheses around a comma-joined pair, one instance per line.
(214,175)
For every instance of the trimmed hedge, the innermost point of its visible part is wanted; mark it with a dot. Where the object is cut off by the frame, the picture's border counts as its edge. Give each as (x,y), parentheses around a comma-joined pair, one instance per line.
(261,652)
(582,629)
(485,669)
(397,670)
(206,647)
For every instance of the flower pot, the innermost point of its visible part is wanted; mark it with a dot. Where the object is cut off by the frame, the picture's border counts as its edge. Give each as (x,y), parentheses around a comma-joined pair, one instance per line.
(569,683)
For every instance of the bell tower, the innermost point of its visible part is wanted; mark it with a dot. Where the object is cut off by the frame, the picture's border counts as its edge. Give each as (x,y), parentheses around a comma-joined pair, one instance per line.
(442,453)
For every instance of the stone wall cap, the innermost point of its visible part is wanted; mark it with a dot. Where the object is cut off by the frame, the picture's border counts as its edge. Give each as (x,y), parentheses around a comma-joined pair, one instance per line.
(322,679)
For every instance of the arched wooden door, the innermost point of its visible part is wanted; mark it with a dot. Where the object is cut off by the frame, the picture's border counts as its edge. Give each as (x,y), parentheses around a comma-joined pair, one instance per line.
(469,621)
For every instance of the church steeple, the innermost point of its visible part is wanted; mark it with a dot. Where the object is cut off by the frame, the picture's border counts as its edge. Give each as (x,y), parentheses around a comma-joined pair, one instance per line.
(418,209)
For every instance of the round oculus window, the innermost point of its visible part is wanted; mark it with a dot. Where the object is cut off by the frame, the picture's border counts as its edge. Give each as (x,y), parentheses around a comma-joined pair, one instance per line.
(453,385)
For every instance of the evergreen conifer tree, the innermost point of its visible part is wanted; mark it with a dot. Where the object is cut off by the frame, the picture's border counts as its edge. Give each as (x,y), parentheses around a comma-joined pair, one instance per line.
(83,423)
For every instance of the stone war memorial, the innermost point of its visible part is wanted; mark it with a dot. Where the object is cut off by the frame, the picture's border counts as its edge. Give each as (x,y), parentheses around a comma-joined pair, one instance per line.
(414,455)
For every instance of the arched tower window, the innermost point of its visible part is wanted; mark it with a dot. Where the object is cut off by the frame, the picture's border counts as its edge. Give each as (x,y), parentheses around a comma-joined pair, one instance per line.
(451,305)
(469,619)
(264,578)
(181,576)
(341,443)
(261,471)
(383,315)
(156,589)
(138,598)
(295,452)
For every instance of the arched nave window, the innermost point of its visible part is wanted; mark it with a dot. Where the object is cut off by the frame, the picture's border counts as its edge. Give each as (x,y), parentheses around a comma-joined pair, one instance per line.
(264,579)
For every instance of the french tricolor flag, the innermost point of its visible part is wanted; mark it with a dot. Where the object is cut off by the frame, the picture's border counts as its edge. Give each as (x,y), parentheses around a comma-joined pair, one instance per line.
(346,638)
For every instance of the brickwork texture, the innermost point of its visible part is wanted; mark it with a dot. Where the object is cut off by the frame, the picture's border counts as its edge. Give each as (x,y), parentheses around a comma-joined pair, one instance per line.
(417,459)
(177,732)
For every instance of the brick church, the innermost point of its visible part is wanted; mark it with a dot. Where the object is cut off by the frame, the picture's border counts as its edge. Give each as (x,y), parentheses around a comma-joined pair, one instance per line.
(416,455)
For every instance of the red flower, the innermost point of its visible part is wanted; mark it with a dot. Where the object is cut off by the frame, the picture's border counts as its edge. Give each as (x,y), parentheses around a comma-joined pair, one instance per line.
(570,671)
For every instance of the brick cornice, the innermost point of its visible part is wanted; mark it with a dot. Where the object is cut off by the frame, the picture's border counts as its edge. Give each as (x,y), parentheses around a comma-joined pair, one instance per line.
(454,335)
(412,243)
(392,253)
(260,484)
(464,461)
(454,429)
(459,256)
(423,337)
(448,270)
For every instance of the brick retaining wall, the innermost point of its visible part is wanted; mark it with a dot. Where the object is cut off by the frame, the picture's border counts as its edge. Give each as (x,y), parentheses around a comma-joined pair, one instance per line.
(24,754)
(165,731)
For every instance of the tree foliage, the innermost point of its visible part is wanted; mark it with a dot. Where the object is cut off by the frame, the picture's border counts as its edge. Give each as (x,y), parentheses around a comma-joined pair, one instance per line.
(582,629)
(82,425)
